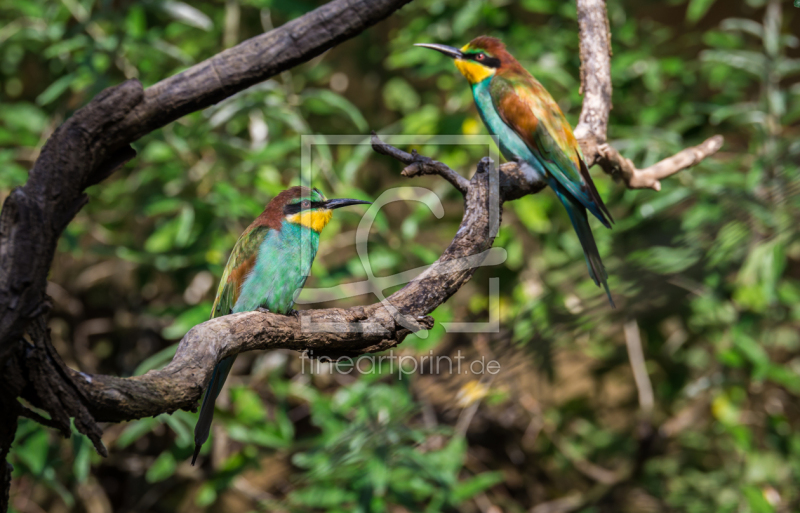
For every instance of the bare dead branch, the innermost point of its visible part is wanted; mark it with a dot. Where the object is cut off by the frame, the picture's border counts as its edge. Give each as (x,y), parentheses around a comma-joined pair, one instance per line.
(649,178)
(595,50)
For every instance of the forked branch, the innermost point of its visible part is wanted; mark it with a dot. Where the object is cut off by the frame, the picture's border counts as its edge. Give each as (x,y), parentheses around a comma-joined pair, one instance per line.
(595,49)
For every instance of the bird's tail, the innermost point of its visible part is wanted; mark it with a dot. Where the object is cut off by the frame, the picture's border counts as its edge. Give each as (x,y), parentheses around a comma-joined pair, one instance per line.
(577,214)
(203,426)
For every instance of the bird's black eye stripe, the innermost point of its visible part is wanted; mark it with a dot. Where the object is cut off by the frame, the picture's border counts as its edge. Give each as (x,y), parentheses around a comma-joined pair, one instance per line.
(486,60)
(294,208)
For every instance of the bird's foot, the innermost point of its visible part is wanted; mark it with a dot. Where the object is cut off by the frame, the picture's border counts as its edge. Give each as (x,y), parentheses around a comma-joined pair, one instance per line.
(262,309)
(293,313)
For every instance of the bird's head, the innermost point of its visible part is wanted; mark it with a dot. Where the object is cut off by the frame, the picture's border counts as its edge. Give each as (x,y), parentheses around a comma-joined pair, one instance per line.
(479,59)
(305,207)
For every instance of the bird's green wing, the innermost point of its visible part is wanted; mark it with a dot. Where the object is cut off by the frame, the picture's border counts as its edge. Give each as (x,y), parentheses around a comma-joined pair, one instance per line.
(240,263)
(528,109)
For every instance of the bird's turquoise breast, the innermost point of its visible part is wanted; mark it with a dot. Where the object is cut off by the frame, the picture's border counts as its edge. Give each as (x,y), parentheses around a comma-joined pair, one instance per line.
(281,269)
(511,145)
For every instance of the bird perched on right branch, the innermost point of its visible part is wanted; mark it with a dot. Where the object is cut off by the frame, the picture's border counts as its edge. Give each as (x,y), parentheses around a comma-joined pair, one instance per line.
(534,133)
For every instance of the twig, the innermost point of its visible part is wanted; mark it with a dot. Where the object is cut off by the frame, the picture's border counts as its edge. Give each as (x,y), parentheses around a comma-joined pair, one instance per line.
(581,464)
(417,165)
(649,178)
(633,341)
(32,415)
(561,505)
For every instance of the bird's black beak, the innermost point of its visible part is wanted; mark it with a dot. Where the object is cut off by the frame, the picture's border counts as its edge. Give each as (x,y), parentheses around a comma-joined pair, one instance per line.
(344,202)
(454,53)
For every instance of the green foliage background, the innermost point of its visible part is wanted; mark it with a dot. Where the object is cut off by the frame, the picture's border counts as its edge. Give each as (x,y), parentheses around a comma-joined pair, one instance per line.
(708,268)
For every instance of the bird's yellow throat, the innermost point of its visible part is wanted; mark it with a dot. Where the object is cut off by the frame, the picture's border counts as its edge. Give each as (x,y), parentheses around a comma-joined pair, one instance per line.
(314,219)
(473,71)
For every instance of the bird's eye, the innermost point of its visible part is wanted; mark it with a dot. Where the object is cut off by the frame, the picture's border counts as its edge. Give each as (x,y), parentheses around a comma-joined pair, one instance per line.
(305,204)
(480,56)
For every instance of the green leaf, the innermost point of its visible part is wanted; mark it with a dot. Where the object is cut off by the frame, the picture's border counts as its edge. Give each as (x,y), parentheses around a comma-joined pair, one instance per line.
(206,495)
(82,463)
(472,487)
(135,430)
(156,361)
(264,436)
(185,224)
(752,62)
(187,320)
(182,430)
(338,102)
(697,9)
(400,96)
(664,259)
(533,212)
(162,468)
(322,497)
(55,89)
(756,500)
(33,451)
(248,406)
(136,21)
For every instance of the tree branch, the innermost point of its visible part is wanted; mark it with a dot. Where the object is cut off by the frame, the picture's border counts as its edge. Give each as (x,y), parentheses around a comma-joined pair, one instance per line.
(649,178)
(595,50)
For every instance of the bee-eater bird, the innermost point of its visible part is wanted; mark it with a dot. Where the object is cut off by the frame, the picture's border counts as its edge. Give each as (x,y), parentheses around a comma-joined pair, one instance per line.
(533,132)
(268,265)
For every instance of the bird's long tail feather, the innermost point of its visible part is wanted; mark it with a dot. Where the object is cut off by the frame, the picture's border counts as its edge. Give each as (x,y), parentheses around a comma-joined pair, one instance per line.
(580,221)
(203,426)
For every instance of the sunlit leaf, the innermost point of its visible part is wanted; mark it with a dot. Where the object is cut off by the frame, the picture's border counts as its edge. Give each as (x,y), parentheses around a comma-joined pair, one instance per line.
(187,14)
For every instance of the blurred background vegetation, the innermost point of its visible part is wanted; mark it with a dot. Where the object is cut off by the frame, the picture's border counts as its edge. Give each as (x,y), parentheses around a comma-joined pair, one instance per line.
(707,271)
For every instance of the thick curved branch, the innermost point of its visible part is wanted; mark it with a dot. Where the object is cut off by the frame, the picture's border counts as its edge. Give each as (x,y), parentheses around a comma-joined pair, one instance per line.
(595,51)
(95,141)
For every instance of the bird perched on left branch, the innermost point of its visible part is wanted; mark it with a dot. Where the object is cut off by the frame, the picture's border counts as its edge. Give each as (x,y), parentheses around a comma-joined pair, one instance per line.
(268,265)
(534,133)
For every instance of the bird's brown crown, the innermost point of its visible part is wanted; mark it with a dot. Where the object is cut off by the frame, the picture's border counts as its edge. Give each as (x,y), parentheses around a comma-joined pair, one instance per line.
(483,57)
(274,214)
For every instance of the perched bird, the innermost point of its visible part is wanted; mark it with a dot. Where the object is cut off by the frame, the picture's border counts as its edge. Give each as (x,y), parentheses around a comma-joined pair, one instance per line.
(533,132)
(269,264)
